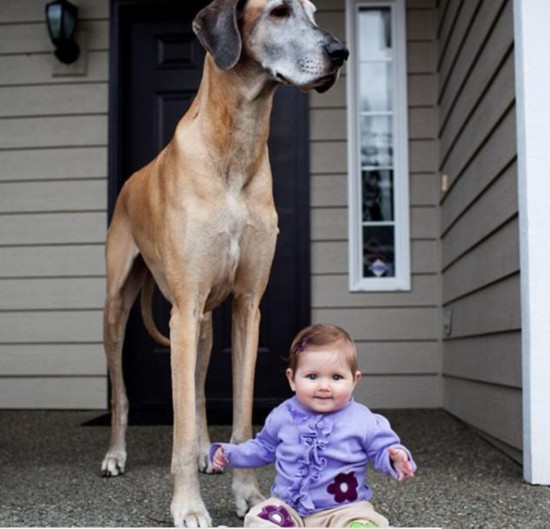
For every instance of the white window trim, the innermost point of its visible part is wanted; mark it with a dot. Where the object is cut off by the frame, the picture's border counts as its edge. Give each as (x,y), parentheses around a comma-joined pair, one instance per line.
(402,280)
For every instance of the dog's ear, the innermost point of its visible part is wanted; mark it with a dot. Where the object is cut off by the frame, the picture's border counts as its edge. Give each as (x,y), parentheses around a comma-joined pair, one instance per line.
(217,30)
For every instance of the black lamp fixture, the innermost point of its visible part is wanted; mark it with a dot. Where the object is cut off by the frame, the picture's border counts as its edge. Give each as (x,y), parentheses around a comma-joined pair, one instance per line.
(61,19)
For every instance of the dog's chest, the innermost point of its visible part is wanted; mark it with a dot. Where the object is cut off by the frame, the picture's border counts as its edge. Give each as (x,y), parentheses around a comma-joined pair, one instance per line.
(234,217)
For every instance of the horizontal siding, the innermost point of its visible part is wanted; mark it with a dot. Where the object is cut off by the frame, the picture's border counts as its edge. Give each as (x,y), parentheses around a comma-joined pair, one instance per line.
(33,37)
(491,359)
(53,392)
(70,131)
(20,11)
(51,293)
(383,323)
(397,333)
(479,224)
(30,101)
(53,228)
(489,408)
(490,110)
(35,69)
(496,206)
(399,358)
(53,163)
(480,33)
(396,392)
(53,201)
(498,152)
(421,57)
(54,196)
(492,309)
(55,261)
(50,326)
(422,89)
(497,49)
(480,267)
(59,359)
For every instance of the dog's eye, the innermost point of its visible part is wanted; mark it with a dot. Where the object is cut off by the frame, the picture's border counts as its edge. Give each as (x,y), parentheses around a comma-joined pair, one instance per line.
(282,11)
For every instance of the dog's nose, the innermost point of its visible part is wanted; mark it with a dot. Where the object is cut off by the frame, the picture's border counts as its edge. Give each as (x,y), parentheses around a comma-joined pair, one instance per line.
(337,52)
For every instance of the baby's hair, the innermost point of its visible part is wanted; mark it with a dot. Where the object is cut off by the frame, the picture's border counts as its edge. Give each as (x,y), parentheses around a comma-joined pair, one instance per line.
(320,335)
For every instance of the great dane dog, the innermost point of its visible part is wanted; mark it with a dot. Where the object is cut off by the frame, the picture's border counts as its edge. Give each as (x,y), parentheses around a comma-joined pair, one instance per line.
(199,220)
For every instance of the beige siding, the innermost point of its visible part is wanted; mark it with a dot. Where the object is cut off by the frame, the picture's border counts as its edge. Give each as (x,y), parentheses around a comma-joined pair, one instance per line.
(479,226)
(53,199)
(398,334)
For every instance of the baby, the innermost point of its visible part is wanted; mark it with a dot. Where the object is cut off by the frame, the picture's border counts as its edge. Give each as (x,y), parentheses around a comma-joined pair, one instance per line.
(320,441)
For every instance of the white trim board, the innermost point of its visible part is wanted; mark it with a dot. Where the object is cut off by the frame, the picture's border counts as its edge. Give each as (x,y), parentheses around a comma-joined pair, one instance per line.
(532,49)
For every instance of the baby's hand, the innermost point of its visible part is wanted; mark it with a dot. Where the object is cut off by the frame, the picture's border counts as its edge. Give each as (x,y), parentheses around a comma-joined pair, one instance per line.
(219,462)
(401,463)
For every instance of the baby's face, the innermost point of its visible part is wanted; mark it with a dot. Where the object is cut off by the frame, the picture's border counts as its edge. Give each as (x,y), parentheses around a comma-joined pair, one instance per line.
(323,381)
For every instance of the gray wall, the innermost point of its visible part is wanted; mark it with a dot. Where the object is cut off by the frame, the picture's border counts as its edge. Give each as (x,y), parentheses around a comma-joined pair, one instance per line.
(53,199)
(479,217)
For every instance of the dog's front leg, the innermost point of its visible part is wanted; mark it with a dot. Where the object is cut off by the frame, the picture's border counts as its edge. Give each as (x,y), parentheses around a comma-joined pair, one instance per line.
(204,352)
(188,509)
(244,341)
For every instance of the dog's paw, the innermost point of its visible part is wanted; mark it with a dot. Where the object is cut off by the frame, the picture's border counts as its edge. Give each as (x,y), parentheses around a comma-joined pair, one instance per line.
(114,463)
(244,503)
(185,514)
(246,491)
(205,466)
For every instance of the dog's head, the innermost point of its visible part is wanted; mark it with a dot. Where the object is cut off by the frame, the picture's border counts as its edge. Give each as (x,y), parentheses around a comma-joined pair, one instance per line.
(280,35)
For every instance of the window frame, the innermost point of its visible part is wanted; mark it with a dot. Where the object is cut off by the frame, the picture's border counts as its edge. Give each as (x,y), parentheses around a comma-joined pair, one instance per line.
(402,279)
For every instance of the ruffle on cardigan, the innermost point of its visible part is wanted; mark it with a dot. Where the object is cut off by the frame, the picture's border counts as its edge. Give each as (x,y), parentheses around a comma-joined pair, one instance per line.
(314,432)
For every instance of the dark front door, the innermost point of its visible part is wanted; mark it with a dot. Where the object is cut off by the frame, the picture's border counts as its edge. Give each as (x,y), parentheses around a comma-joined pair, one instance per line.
(156,69)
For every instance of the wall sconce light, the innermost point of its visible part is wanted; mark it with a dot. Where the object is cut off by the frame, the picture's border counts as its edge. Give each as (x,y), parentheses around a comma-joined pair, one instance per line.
(61,19)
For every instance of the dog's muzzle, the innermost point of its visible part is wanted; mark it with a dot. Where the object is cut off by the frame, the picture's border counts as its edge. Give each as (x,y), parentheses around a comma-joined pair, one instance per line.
(338,55)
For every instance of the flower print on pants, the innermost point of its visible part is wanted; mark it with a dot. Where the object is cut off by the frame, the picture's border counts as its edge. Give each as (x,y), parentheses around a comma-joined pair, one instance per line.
(344,488)
(276,514)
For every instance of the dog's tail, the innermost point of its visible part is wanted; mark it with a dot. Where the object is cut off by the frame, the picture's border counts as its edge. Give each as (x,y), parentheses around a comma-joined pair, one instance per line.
(147,289)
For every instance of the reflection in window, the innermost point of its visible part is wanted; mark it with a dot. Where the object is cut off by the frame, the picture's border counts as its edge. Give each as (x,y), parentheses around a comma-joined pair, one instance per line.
(375,23)
(376,141)
(377,195)
(376,79)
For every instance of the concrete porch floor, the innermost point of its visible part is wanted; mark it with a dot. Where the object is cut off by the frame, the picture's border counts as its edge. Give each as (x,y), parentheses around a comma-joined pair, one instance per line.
(49,476)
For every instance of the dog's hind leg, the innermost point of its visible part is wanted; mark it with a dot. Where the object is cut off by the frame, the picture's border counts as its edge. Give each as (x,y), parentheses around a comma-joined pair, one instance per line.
(204,350)
(125,273)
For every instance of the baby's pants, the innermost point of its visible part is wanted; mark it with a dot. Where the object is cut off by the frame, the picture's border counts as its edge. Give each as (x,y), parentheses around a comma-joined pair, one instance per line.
(275,513)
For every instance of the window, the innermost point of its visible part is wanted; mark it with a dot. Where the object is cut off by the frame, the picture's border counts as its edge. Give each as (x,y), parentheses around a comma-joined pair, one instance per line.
(377,146)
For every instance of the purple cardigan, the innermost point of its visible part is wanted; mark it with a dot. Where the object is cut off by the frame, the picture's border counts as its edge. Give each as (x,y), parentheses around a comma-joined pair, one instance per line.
(320,458)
